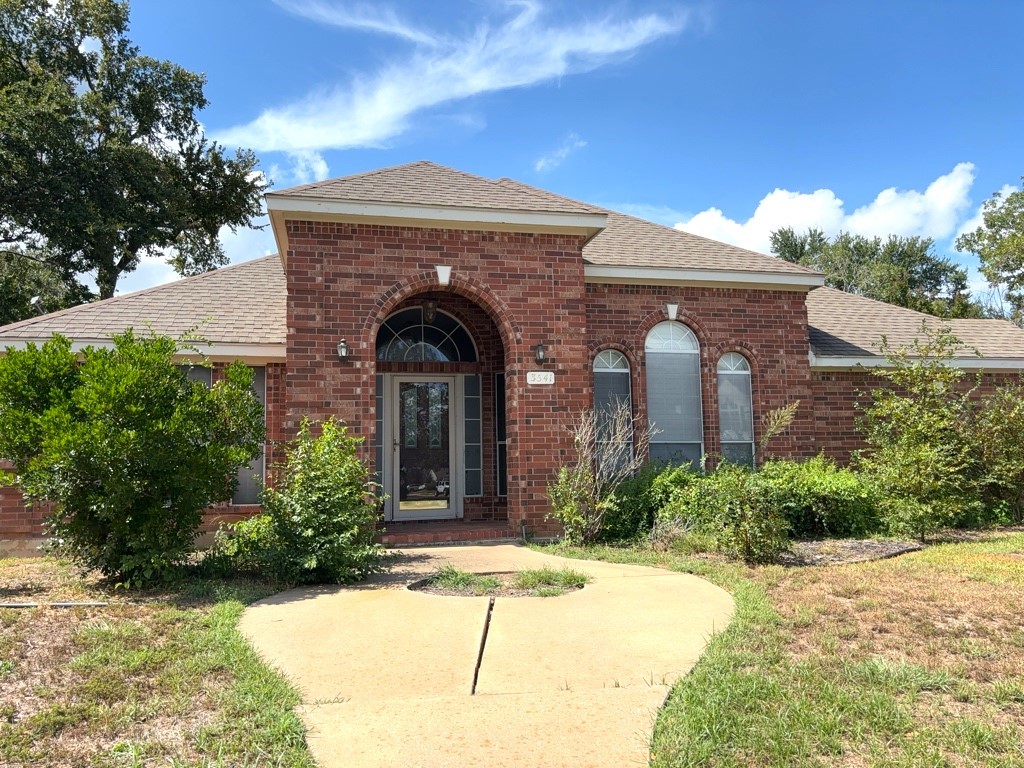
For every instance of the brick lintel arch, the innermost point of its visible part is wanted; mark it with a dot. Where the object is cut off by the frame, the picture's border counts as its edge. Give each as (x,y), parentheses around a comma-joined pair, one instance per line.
(508,328)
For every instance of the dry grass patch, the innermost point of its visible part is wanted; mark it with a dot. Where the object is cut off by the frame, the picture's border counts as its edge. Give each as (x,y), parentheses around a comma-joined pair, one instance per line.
(155,678)
(913,661)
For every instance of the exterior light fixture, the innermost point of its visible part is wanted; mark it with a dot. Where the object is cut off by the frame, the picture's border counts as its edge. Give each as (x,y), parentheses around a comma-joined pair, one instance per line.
(539,354)
(343,350)
(429,312)
(671,310)
(444,274)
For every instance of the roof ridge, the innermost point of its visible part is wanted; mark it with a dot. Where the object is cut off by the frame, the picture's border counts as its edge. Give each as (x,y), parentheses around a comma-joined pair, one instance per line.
(361,175)
(29,322)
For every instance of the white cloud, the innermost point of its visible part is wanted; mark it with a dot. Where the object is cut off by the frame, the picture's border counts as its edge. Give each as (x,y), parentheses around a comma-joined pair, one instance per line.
(306,166)
(554,158)
(373,108)
(933,213)
(360,16)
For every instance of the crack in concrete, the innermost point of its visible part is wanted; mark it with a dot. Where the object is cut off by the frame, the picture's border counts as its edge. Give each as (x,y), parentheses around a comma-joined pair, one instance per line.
(483,644)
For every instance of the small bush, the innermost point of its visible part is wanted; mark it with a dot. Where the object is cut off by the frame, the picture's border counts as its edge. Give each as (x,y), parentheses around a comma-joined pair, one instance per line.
(817,498)
(637,500)
(318,524)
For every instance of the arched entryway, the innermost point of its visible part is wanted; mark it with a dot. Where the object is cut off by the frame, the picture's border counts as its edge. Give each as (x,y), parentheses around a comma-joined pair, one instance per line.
(440,394)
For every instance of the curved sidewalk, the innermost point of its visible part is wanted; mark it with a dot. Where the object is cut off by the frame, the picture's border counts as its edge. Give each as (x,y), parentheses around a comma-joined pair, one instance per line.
(386,674)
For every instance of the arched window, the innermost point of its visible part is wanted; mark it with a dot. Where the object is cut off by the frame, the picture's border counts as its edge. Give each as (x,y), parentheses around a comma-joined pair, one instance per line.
(735,409)
(673,393)
(613,407)
(408,336)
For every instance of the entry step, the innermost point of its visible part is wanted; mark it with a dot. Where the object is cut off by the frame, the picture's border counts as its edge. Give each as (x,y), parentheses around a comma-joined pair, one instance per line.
(405,534)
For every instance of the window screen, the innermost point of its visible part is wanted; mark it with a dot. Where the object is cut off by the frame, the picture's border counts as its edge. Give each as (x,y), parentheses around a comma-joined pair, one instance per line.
(673,394)
(611,390)
(735,409)
(250,478)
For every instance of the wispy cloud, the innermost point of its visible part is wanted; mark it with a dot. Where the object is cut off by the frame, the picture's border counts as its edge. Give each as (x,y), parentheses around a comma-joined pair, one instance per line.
(936,212)
(554,158)
(372,108)
(369,18)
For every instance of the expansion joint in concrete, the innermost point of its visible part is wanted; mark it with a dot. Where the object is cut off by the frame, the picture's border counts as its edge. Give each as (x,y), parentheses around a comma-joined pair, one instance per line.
(483,645)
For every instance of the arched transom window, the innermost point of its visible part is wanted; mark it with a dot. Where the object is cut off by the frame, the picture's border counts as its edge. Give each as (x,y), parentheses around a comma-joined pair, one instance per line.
(409,336)
(673,393)
(735,409)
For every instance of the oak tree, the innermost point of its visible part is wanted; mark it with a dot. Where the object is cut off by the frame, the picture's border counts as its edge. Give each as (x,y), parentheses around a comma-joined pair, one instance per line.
(102,158)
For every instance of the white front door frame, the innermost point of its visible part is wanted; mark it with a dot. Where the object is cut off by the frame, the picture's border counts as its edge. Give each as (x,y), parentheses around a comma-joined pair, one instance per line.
(391,474)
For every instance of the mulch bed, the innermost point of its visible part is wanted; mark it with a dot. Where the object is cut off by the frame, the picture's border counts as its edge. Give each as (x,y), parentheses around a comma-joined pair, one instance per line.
(842,551)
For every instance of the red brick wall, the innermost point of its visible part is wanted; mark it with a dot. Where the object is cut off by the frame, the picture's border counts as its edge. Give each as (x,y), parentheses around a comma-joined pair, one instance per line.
(839,399)
(345,279)
(768,327)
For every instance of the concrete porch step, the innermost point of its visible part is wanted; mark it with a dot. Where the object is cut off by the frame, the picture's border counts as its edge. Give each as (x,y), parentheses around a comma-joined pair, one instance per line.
(405,534)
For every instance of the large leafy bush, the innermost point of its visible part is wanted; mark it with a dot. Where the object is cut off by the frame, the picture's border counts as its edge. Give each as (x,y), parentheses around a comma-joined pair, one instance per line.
(318,523)
(923,451)
(728,510)
(817,498)
(127,448)
(637,500)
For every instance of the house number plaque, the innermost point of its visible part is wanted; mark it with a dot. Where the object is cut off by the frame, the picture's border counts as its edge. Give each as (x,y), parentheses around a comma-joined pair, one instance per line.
(540,377)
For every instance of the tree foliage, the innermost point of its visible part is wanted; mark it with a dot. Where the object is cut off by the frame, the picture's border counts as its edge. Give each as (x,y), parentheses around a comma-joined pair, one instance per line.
(999,243)
(30,286)
(102,159)
(128,449)
(899,270)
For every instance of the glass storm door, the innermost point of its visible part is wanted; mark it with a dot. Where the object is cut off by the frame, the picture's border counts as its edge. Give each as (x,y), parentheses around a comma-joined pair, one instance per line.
(424,445)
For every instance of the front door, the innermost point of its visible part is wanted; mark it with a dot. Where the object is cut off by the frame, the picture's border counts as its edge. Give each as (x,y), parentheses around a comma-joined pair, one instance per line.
(423,463)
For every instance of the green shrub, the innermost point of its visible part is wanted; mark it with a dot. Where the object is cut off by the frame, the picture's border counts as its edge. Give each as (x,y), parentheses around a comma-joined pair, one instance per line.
(318,524)
(727,509)
(128,449)
(637,500)
(817,498)
(922,452)
(999,435)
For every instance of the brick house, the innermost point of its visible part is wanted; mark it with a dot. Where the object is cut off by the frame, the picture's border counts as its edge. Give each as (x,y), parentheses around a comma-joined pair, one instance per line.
(457,323)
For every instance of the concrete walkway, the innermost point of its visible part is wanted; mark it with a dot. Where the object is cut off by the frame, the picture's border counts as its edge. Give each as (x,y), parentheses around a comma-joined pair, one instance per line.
(386,674)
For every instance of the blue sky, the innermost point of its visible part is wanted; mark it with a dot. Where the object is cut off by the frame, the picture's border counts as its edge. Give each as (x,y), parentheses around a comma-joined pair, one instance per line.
(729,118)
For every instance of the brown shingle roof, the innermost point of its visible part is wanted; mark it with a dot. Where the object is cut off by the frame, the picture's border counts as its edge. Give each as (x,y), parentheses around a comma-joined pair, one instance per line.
(429,184)
(844,325)
(241,304)
(631,242)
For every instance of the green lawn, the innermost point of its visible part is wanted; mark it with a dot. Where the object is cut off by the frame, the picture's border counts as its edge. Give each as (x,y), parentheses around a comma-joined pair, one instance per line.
(914,661)
(157,678)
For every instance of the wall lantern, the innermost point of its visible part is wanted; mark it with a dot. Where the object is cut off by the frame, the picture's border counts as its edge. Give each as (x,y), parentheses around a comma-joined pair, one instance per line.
(343,350)
(671,310)
(539,354)
(444,274)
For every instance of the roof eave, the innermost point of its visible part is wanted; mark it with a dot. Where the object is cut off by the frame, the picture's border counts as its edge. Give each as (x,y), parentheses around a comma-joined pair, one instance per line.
(596,273)
(854,362)
(215,351)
